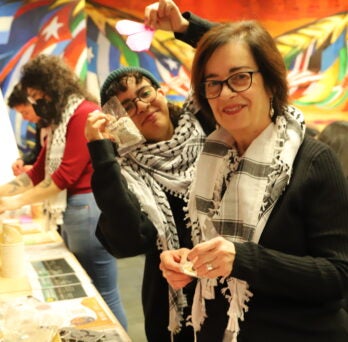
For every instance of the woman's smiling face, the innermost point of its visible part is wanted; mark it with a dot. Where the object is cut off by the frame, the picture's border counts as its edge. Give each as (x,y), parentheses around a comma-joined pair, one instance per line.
(152,119)
(244,114)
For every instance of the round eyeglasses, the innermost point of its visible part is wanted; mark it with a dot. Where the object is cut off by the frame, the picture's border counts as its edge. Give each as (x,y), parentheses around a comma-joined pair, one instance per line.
(238,83)
(146,94)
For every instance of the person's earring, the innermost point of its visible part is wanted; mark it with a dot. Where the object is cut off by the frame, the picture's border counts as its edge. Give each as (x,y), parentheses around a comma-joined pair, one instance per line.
(271,109)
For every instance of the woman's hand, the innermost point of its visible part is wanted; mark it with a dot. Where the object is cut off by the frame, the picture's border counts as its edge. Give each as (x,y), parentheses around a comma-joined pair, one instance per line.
(95,126)
(18,167)
(165,15)
(213,258)
(170,266)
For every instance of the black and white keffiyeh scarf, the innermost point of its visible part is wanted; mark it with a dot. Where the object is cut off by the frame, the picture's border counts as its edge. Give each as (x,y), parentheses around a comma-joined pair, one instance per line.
(153,169)
(56,141)
(238,198)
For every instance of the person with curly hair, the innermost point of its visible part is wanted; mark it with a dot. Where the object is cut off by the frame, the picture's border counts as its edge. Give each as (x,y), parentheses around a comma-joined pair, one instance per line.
(18,101)
(61,176)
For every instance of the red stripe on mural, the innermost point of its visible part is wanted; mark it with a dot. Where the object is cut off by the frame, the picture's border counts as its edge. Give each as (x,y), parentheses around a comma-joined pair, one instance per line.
(243,9)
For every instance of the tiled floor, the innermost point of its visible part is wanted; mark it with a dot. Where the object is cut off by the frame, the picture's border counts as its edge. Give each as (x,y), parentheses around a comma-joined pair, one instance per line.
(130,274)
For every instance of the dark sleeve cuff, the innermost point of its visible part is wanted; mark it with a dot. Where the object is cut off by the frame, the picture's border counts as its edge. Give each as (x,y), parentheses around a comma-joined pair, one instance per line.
(102,152)
(244,263)
(197,27)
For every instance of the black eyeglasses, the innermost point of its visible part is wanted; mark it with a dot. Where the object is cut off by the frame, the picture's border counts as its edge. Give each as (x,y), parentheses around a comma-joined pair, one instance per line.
(34,94)
(31,100)
(146,94)
(238,83)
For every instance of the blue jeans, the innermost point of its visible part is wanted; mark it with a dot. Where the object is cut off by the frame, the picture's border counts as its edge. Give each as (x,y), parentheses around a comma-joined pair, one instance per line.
(78,232)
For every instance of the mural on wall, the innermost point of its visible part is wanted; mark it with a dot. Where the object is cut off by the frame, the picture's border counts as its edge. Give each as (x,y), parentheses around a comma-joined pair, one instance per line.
(316,57)
(311,37)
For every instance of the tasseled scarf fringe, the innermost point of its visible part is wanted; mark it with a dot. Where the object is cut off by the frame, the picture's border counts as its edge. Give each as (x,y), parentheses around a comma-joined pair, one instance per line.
(236,293)
(230,174)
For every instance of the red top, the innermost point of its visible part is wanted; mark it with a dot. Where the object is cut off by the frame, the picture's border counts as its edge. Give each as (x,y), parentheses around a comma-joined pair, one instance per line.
(75,170)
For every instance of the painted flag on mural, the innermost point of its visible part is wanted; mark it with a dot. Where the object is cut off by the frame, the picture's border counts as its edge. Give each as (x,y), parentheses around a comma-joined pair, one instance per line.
(42,27)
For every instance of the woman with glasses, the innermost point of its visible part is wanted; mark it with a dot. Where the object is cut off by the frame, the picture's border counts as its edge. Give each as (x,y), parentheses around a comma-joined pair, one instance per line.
(142,194)
(268,205)
(61,176)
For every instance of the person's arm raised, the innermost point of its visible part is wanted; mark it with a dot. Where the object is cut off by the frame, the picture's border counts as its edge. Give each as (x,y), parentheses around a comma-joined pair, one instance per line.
(165,15)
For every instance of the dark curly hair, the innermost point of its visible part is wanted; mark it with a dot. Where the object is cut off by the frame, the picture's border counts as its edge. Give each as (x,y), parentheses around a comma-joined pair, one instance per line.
(17,97)
(264,50)
(51,75)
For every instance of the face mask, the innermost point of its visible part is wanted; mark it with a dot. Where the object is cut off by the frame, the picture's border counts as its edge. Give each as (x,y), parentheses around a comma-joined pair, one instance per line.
(45,110)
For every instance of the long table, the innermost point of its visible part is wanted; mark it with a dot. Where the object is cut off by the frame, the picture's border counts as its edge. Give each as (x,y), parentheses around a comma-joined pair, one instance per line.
(56,281)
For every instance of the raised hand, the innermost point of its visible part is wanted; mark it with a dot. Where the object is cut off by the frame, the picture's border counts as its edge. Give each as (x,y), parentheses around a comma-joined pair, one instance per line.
(95,126)
(165,15)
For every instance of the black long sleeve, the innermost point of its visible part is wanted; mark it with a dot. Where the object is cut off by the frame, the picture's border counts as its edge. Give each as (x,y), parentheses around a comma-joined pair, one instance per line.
(123,228)
(303,250)
(197,27)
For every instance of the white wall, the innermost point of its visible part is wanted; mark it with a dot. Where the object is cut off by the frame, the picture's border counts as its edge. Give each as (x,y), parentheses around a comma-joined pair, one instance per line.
(8,147)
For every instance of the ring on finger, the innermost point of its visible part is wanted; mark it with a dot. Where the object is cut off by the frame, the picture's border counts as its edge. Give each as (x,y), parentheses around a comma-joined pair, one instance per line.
(209,267)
